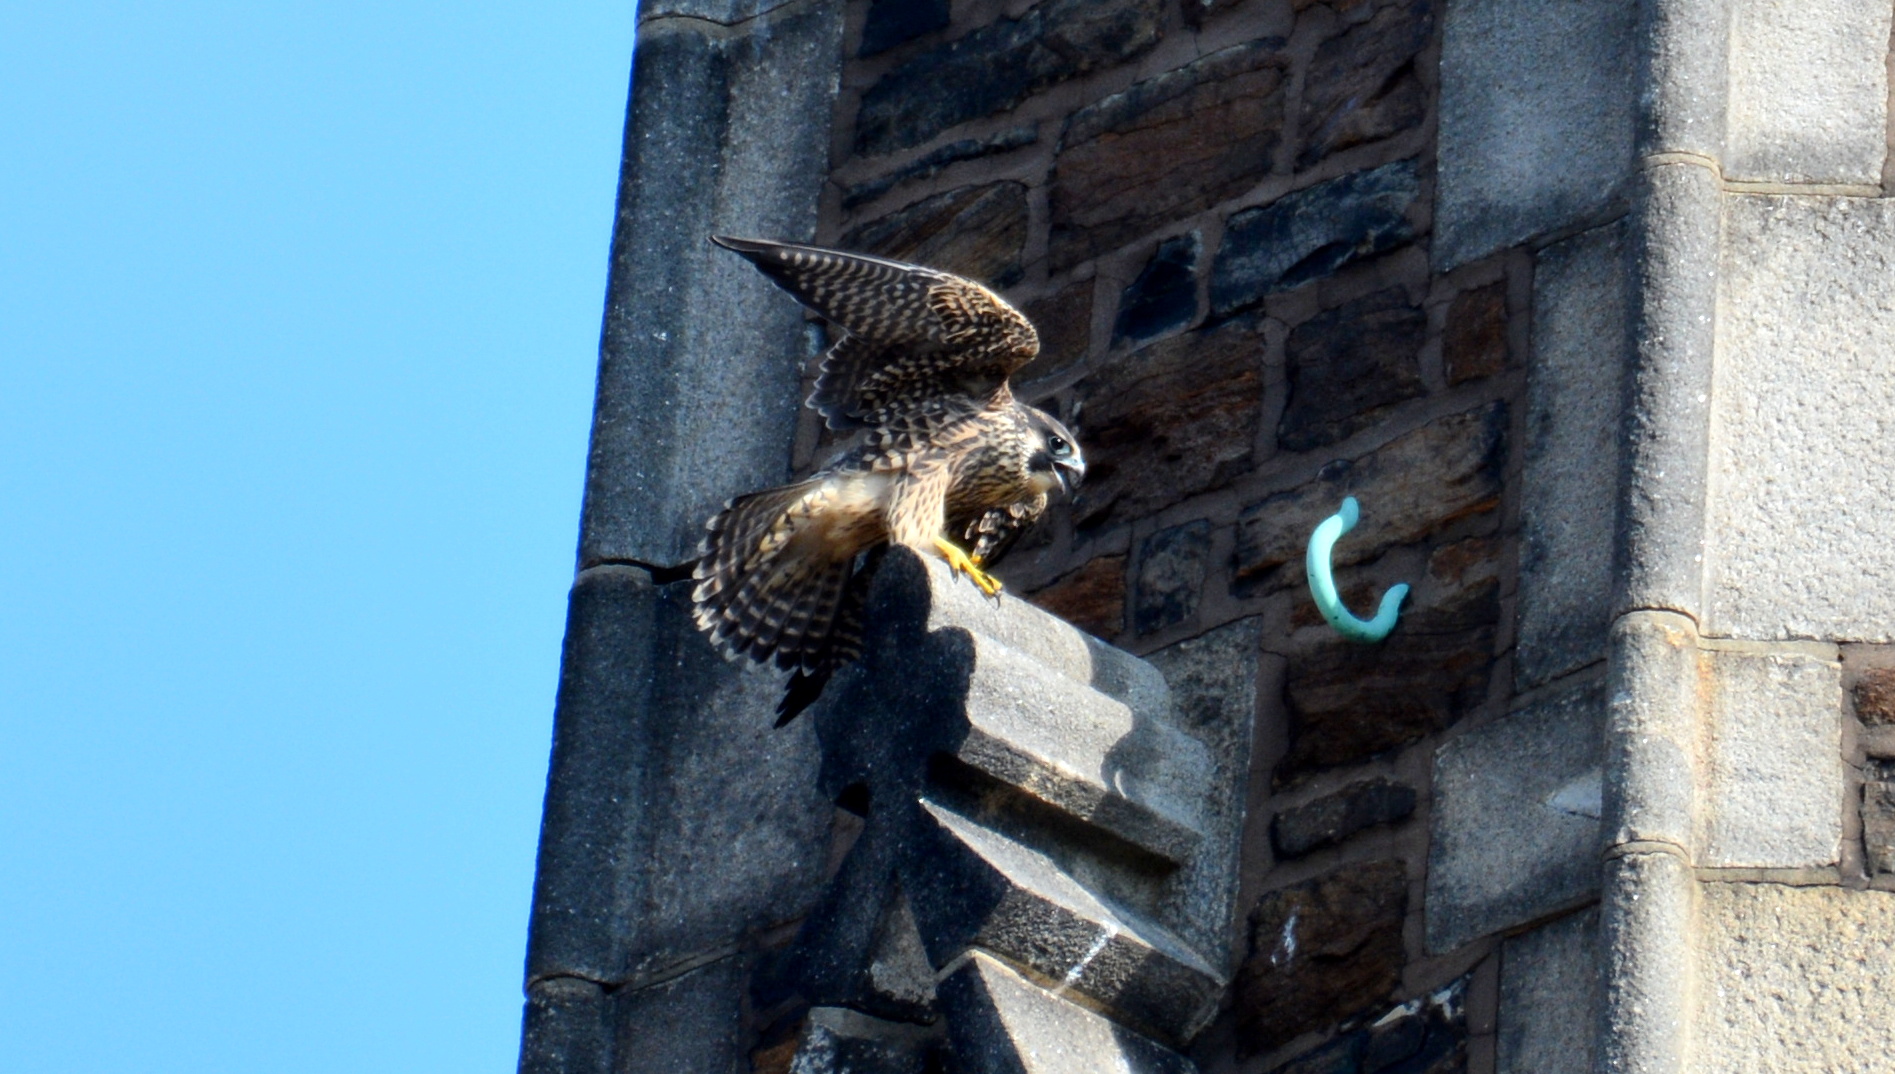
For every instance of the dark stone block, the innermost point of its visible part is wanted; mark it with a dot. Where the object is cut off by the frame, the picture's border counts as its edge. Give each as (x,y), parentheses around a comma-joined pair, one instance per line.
(1878,826)
(997,66)
(1171,569)
(1348,365)
(1091,598)
(1320,951)
(1875,696)
(1165,295)
(837,1040)
(1166,148)
(1340,1056)
(1419,1037)
(1312,233)
(691,1022)
(1361,85)
(1005,1024)
(930,165)
(568,1028)
(1064,322)
(1474,343)
(1175,418)
(892,22)
(1410,487)
(975,231)
(1332,818)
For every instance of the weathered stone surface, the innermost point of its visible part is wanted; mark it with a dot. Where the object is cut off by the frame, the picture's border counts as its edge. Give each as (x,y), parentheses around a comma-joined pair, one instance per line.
(997,66)
(732,135)
(1171,568)
(1878,826)
(1174,418)
(689,1023)
(836,1040)
(1165,295)
(1348,365)
(1515,821)
(1774,760)
(893,22)
(1874,696)
(726,12)
(568,1028)
(1551,983)
(1361,84)
(1005,1024)
(1815,958)
(1213,680)
(1064,322)
(648,854)
(1311,233)
(1422,1036)
(1570,502)
(1320,951)
(1800,541)
(1808,91)
(1537,117)
(1334,817)
(1166,148)
(1091,598)
(976,231)
(1474,341)
(932,164)
(1410,487)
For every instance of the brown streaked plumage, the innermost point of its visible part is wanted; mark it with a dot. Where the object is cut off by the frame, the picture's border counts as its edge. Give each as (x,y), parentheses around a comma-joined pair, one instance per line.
(949,459)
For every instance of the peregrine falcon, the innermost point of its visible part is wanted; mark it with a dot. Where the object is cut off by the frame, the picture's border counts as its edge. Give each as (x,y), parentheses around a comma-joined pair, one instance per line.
(950,464)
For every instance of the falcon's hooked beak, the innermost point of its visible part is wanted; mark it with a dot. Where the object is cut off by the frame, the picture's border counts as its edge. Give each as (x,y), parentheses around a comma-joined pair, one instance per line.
(1070,472)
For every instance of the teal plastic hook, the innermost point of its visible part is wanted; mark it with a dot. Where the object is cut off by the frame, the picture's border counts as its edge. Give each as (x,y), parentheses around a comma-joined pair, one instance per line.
(1322,584)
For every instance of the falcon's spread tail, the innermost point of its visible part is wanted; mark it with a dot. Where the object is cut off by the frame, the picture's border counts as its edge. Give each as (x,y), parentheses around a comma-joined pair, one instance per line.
(761,591)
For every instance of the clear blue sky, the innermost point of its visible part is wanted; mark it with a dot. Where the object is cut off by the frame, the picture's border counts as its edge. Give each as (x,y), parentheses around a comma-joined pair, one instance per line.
(299,308)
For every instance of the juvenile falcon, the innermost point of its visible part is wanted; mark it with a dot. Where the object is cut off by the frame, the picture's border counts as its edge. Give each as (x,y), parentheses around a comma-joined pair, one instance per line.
(950,463)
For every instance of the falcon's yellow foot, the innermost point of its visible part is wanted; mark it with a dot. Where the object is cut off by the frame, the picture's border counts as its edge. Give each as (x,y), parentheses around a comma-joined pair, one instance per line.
(961,563)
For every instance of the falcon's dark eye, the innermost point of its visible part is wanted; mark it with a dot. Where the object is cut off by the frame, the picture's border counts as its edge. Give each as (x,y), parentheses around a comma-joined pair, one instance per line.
(1058,445)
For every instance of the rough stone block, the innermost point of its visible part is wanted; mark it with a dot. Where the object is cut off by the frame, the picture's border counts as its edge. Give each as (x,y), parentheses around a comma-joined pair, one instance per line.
(894,22)
(1516,819)
(1422,1036)
(1064,322)
(1474,341)
(1361,85)
(568,1028)
(1410,487)
(1165,294)
(1874,696)
(1166,148)
(1570,488)
(1537,118)
(1348,365)
(1175,418)
(931,164)
(1320,951)
(688,1024)
(1312,233)
(994,67)
(1878,826)
(732,136)
(1330,819)
(1005,1024)
(1800,542)
(1774,763)
(1808,91)
(836,1040)
(975,231)
(1171,568)
(1815,958)
(1091,598)
(1213,680)
(1551,984)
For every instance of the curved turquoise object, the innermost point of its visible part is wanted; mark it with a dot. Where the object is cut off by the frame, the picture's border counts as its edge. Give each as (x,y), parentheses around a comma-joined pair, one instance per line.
(1322,583)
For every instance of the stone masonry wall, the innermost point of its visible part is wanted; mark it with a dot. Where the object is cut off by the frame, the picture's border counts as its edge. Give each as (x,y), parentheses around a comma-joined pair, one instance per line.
(1220,215)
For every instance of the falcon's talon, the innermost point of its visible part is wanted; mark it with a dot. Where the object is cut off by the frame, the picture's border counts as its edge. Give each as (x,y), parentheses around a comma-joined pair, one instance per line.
(960,562)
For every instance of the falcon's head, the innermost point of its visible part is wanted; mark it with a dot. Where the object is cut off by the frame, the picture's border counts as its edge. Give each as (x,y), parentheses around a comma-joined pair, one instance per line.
(1056,459)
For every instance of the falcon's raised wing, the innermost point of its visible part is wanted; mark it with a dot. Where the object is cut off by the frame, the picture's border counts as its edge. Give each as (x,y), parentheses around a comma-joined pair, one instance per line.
(911,333)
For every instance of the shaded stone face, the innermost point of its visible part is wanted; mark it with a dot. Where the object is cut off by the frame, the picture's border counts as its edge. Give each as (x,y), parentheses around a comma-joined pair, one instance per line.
(1333,818)
(1346,366)
(1165,295)
(1312,233)
(997,66)
(1091,598)
(892,22)
(1474,343)
(1177,417)
(1168,147)
(1064,322)
(1171,569)
(974,231)
(1320,949)
(1361,86)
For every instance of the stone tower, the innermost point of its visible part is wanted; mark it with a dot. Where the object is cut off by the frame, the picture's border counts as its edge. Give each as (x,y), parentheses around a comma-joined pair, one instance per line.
(1590,304)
